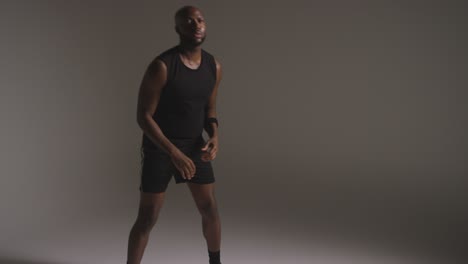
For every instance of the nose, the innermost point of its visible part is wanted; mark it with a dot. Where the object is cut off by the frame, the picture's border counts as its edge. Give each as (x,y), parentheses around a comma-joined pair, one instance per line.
(197,26)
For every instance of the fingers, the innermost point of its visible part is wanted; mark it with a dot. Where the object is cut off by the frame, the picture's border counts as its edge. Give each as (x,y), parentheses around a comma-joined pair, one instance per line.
(187,168)
(213,150)
(208,145)
(207,156)
(186,173)
(192,168)
(209,151)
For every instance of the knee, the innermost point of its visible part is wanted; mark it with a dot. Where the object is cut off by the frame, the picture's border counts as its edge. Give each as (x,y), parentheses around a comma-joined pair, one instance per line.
(208,208)
(145,221)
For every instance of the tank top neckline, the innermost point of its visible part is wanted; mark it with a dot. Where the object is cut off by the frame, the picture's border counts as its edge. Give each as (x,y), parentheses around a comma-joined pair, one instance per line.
(187,67)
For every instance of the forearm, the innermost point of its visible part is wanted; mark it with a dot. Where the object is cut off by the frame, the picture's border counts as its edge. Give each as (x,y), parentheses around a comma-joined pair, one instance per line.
(210,127)
(212,130)
(155,134)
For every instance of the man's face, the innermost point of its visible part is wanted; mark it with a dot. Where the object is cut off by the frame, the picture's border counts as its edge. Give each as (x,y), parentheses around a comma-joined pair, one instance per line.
(192,28)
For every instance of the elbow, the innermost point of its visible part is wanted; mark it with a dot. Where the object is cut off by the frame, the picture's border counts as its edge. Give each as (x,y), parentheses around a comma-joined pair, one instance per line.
(142,120)
(140,123)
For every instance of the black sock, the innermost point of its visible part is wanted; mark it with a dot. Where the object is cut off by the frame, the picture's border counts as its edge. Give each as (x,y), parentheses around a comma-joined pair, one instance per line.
(214,257)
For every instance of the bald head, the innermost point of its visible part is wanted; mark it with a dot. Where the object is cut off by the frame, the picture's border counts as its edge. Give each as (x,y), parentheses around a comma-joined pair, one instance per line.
(190,25)
(183,12)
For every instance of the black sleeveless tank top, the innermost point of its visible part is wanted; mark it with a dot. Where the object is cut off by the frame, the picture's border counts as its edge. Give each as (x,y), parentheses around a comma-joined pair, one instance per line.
(181,110)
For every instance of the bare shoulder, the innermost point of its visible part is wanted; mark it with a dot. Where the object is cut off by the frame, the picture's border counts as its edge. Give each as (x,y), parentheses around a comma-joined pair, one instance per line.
(218,64)
(219,72)
(156,66)
(154,79)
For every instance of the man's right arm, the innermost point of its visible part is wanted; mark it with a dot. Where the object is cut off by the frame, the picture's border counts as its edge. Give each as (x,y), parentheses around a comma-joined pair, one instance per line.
(151,87)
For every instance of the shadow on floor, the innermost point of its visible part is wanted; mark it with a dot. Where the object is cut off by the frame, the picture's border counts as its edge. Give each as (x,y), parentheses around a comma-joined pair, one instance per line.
(19,260)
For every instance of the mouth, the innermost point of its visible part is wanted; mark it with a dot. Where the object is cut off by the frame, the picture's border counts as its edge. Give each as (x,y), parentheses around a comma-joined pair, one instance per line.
(198,35)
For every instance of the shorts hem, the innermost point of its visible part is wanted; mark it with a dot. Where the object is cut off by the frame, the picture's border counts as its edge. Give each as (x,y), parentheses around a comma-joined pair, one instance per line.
(198,182)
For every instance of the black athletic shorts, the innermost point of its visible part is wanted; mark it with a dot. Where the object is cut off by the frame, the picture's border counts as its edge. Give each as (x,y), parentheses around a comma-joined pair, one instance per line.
(157,168)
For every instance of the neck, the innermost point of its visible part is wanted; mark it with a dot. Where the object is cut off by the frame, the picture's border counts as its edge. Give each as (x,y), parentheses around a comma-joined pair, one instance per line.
(190,51)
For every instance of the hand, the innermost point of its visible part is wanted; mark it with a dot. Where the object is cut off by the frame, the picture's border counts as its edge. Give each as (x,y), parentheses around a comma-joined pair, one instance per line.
(183,164)
(210,149)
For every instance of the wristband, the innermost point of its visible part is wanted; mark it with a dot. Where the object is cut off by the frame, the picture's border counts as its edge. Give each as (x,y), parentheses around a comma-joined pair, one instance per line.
(210,120)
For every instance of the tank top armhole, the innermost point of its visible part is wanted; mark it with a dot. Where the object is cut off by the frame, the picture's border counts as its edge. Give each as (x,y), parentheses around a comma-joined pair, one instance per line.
(212,64)
(152,64)
(167,61)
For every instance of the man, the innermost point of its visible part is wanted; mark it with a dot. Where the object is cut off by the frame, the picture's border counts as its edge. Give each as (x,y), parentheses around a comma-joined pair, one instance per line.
(177,100)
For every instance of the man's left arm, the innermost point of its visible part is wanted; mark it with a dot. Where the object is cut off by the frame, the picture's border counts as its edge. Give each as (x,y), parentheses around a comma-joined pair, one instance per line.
(212,128)
(211,146)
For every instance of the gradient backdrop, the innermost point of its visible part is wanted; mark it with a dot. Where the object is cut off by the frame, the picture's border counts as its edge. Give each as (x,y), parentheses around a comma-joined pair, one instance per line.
(342,131)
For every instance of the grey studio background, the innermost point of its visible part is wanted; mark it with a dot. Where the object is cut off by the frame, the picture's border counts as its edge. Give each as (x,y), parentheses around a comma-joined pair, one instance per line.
(342,131)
